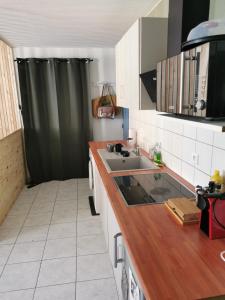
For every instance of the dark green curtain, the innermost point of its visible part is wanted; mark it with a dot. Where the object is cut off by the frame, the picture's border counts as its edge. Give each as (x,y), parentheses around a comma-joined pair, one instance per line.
(54,96)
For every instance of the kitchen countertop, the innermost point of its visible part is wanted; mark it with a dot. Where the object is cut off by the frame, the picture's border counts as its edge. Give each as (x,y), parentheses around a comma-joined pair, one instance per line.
(171,261)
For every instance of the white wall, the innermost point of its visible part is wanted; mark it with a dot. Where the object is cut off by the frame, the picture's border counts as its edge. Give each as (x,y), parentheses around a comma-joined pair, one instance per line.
(217,9)
(101,69)
(160,10)
(181,139)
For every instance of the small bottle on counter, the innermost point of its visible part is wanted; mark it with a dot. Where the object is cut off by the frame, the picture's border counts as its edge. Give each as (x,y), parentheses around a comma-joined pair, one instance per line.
(217,179)
(157,154)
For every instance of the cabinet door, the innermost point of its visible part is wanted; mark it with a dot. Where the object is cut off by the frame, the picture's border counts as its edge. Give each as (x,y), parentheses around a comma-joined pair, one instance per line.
(113,230)
(132,85)
(97,186)
(104,212)
(120,73)
(127,69)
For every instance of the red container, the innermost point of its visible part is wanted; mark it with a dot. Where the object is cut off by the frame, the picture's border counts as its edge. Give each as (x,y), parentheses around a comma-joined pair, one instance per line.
(213,219)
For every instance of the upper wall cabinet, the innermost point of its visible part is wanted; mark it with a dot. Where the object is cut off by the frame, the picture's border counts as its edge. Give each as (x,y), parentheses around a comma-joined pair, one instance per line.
(139,50)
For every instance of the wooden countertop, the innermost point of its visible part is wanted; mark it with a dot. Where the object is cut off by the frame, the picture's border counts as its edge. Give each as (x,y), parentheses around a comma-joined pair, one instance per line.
(171,261)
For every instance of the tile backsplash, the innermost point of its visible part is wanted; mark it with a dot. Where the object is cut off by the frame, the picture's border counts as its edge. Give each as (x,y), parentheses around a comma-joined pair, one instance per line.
(189,149)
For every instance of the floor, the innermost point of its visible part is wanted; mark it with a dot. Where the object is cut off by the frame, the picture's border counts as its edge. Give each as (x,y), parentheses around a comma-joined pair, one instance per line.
(52,248)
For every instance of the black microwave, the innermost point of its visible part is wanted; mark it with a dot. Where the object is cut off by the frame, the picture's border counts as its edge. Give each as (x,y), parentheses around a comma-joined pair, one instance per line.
(193,83)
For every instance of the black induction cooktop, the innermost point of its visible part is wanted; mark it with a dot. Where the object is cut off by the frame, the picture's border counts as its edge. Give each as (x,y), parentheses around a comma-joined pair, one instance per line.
(150,188)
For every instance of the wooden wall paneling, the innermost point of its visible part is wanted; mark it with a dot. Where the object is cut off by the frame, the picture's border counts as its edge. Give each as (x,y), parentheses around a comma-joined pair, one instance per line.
(15,90)
(2,118)
(8,82)
(12,174)
(4,91)
(15,100)
(9,111)
(12,170)
(4,115)
(12,124)
(2,109)
(11,82)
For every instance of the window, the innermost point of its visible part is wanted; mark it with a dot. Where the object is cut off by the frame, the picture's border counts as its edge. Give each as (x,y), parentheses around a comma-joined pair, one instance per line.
(9,112)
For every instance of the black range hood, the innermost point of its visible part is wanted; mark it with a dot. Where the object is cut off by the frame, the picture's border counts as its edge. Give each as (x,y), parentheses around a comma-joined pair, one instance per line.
(149,81)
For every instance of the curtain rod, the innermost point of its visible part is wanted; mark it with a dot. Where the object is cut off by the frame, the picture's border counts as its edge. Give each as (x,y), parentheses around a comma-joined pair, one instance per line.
(59,59)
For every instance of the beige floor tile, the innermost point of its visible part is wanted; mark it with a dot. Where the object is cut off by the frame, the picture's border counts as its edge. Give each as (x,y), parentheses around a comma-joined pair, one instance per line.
(62,230)
(60,248)
(19,276)
(91,244)
(38,219)
(18,295)
(4,253)
(57,271)
(89,227)
(33,234)
(92,267)
(57,292)
(103,289)
(26,252)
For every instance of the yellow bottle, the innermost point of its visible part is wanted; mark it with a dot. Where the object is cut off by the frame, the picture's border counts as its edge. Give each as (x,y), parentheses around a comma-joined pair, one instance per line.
(217,178)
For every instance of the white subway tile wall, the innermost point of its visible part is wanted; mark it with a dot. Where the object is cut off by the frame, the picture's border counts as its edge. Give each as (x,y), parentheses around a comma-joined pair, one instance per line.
(190,150)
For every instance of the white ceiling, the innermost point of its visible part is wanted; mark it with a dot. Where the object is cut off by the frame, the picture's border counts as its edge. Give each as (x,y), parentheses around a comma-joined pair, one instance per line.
(68,23)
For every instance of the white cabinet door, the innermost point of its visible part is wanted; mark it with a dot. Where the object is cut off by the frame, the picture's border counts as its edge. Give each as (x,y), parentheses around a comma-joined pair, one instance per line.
(127,68)
(133,66)
(113,230)
(104,212)
(110,228)
(118,74)
(121,73)
(97,186)
(138,51)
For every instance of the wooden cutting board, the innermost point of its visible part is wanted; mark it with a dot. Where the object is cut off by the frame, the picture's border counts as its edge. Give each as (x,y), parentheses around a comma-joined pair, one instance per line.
(184,209)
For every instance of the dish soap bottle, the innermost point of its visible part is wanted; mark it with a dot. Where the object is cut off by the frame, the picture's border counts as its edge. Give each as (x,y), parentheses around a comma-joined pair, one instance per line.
(217,178)
(157,154)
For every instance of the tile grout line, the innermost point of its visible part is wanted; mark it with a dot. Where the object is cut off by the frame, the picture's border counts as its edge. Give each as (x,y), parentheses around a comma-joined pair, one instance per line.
(56,284)
(38,260)
(45,242)
(36,194)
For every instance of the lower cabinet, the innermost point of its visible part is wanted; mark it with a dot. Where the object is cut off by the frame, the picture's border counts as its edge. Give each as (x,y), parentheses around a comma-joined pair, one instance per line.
(112,233)
(111,228)
(97,185)
(104,212)
(115,248)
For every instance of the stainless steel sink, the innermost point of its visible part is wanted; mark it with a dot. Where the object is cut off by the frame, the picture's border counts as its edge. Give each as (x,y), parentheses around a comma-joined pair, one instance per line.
(129,163)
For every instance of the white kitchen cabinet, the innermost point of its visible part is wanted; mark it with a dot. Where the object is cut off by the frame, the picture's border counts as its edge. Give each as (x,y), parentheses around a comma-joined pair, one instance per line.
(100,199)
(139,51)
(127,68)
(110,228)
(113,233)
(97,185)
(104,212)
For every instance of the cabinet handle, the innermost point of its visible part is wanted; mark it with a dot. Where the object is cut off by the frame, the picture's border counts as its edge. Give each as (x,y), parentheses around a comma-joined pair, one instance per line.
(116,259)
